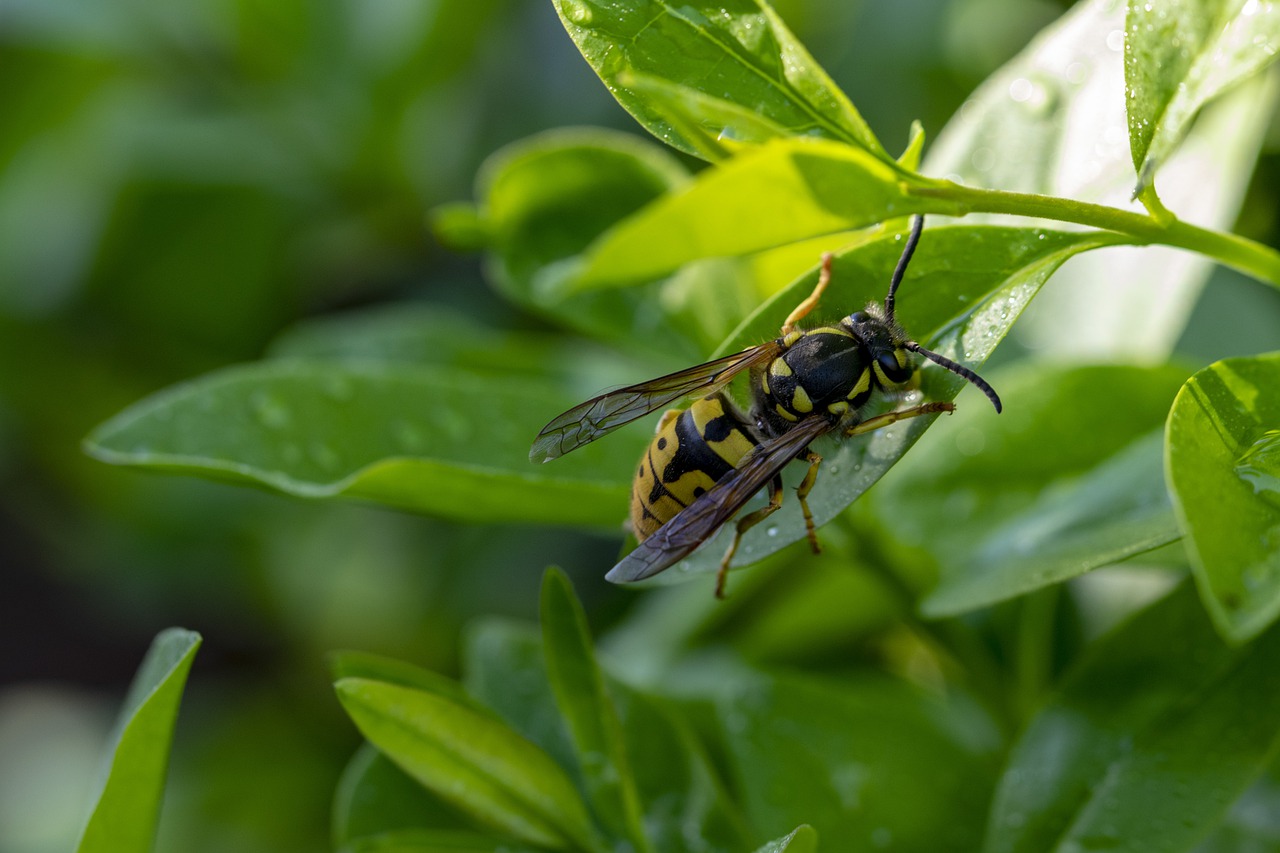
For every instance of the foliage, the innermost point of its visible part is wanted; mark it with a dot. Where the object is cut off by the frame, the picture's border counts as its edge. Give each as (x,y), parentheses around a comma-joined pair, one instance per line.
(930,682)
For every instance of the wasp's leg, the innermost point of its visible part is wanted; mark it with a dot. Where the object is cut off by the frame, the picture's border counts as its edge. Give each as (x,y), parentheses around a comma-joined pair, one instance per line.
(745,523)
(802,492)
(880,421)
(803,309)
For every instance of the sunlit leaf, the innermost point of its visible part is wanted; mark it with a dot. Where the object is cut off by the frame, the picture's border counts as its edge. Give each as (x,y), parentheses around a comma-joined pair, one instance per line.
(965,287)
(785,191)
(1223,467)
(127,804)
(440,442)
(1050,121)
(1180,54)
(1150,740)
(734,53)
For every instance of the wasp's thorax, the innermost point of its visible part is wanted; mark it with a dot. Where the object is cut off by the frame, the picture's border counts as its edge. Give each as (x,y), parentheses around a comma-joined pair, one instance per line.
(830,371)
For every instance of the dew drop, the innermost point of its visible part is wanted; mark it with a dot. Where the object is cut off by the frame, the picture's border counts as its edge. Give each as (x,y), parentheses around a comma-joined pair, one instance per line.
(270,411)
(1259,466)
(577,12)
(409,437)
(325,456)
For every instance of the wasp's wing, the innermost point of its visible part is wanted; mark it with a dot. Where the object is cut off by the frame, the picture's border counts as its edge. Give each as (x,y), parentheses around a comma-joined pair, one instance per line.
(599,415)
(692,526)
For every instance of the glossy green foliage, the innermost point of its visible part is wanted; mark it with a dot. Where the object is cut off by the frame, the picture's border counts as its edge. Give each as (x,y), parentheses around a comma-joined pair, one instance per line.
(1179,55)
(780,193)
(702,75)
(127,806)
(401,435)
(948,674)
(1222,461)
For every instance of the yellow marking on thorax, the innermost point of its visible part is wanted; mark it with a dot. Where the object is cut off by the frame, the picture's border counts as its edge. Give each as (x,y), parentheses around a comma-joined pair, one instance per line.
(861,386)
(800,401)
(784,413)
(832,330)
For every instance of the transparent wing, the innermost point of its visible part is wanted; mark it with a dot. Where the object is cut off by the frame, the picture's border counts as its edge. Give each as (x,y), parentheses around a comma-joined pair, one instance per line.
(693,525)
(590,420)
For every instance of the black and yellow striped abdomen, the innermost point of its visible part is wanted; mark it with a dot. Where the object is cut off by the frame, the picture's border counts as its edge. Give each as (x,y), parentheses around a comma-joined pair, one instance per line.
(692,450)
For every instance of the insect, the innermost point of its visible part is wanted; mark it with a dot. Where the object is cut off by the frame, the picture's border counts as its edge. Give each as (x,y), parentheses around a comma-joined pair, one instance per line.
(705,462)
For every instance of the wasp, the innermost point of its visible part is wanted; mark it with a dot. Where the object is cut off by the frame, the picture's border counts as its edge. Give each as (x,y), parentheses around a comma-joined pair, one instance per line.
(705,462)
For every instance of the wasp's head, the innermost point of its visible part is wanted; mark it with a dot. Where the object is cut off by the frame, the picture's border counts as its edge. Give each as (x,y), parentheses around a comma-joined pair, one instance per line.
(884,344)
(884,327)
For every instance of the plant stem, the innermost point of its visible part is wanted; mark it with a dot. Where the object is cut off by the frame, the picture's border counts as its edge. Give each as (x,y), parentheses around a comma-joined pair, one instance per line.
(1253,259)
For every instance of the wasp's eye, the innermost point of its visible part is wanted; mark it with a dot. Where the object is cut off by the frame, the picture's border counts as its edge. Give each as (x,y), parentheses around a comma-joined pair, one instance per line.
(892,368)
(857,318)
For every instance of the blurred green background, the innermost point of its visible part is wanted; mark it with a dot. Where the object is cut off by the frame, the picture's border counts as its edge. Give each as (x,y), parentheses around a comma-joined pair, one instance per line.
(182,181)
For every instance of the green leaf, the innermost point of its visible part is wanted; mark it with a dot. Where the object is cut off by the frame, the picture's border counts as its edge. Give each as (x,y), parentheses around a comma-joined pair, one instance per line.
(1067,479)
(1179,55)
(347,664)
(432,841)
(1015,131)
(588,711)
(375,798)
(737,52)
(437,335)
(544,199)
(1022,130)
(1253,822)
(127,804)
(965,287)
(440,442)
(1152,737)
(472,761)
(868,763)
(801,840)
(782,192)
(1223,467)
(686,805)
(695,116)
(504,667)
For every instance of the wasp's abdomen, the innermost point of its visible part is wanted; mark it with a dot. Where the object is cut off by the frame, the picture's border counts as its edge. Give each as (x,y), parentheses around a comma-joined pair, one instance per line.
(691,451)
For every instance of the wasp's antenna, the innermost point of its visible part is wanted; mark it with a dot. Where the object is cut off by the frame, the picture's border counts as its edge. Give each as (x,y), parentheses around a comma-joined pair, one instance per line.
(959,370)
(917,225)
